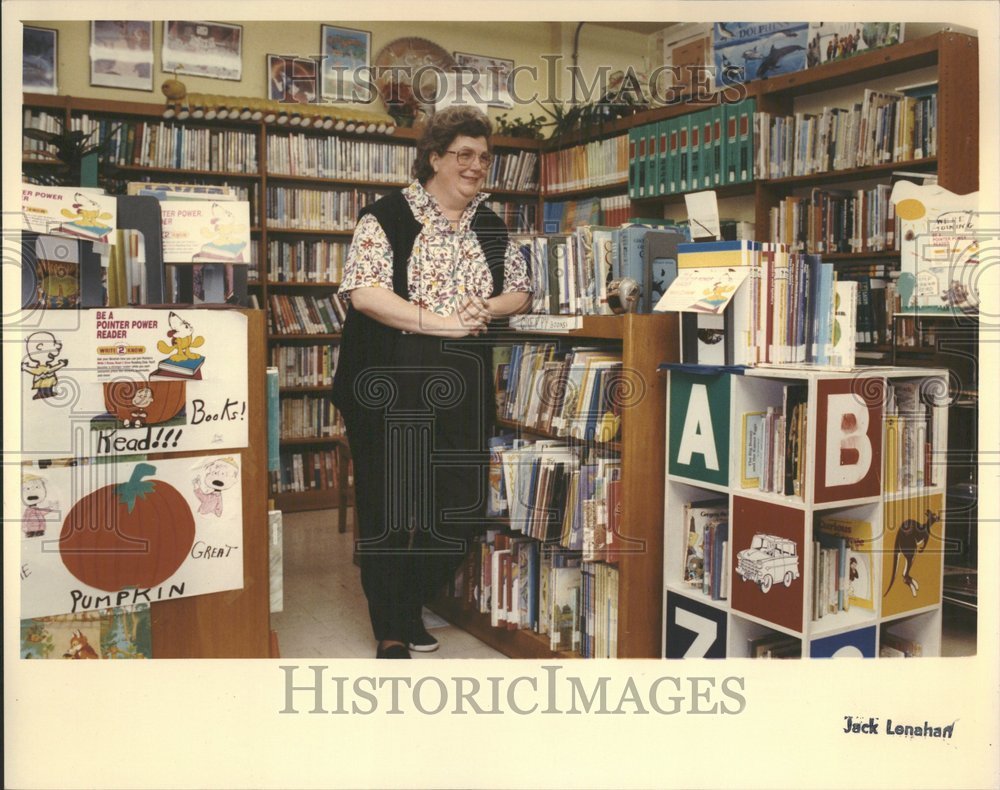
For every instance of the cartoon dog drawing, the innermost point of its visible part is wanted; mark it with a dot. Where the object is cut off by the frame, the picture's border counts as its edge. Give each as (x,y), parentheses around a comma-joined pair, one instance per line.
(79,647)
(86,216)
(182,340)
(224,238)
(33,495)
(41,350)
(217,476)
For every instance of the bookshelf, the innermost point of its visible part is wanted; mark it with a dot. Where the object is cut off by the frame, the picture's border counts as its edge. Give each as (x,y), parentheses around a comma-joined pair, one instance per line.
(645,342)
(762,536)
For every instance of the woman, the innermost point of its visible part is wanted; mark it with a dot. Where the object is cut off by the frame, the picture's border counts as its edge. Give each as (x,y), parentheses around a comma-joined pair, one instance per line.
(428,269)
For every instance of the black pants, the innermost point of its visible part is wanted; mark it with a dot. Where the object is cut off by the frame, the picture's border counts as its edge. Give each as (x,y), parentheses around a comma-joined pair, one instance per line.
(420,469)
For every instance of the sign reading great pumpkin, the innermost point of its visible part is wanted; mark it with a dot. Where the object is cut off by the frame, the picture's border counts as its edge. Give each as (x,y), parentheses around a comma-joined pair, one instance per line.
(103,535)
(124,382)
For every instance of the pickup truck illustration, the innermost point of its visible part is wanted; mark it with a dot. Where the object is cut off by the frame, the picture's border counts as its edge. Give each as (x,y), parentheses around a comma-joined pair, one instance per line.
(769,557)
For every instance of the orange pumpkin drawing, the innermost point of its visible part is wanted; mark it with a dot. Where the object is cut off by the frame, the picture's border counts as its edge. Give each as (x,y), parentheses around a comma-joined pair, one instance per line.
(134,534)
(138,403)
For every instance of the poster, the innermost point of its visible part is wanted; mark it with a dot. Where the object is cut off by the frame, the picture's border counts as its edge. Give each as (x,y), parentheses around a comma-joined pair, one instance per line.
(746,51)
(95,536)
(69,211)
(120,382)
(206,231)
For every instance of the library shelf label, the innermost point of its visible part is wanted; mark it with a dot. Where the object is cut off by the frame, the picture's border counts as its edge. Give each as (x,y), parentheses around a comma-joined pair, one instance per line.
(96,536)
(849,438)
(99,383)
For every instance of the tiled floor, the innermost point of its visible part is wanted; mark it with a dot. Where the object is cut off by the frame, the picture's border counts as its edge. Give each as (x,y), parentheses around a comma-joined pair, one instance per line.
(325,613)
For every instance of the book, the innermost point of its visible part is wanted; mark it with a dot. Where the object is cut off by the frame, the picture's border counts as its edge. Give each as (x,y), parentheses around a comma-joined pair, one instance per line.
(698,516)
(183,368)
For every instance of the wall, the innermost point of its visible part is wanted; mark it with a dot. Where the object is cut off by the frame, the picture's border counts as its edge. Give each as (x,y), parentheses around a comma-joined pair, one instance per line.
(522,42)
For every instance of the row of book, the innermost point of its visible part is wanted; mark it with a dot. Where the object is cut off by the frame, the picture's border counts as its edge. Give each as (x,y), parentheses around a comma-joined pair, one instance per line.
(566,392)
(518,217)
(308,417)
(171,145)
(295,314)
(774,644)
(194,190)
(780,307)
(522,584)
(842,566)
(305,366)
(878,299)
(311,470)
(886,126)
(598,163)
(701,150)
(516,171)
(910,436)
(896,646)
(836,221)
(774,442)
(306,261)
(296,208)
(558,495)
(562,216)
(339,157)
(43,121)
(571,272)
(705,560)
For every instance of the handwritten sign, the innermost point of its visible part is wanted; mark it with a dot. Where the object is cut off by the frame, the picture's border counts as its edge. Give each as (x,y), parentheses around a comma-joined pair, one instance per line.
(133,381)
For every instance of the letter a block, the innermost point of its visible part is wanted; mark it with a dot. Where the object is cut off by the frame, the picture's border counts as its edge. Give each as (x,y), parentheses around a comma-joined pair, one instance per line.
(698,419)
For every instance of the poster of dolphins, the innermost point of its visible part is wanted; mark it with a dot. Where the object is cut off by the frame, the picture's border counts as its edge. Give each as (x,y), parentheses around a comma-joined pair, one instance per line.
(746,51)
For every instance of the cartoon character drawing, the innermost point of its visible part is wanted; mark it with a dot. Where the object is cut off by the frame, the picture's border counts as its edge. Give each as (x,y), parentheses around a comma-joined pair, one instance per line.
(33,495)
(225,239)
(182,340)
(142,400)
(41,350)
(86,218)
(911,538)
(79,647)
(217,476)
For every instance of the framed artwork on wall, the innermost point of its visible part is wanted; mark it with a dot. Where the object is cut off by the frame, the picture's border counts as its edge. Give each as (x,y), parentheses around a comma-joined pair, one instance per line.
(292,79)
(38,64)
(204,49)
(343,51)
(121,55)
(493,73)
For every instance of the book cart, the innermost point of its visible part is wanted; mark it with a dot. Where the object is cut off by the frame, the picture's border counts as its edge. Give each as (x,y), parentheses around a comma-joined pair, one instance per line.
(830,542)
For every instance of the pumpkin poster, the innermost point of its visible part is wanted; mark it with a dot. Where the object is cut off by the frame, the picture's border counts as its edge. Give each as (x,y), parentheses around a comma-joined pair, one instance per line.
(103,535)
(113,382)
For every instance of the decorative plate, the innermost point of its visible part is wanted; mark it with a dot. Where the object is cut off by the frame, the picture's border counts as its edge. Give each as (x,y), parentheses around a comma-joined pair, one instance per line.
(404,60)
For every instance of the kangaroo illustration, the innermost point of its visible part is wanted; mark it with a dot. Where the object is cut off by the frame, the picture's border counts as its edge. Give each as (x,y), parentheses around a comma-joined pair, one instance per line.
(911,538)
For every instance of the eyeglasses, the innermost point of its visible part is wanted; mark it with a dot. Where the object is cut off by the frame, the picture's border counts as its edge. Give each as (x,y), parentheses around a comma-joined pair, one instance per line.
(467,156)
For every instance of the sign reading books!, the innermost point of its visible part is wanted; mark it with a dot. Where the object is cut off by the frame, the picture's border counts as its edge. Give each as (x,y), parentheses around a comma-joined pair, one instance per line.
(96,536)
(848,438)
(128,381)
(69,211)
(206,231)
(699,426)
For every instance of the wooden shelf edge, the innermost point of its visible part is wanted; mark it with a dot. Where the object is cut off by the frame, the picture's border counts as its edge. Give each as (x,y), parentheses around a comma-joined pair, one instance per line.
(521,643)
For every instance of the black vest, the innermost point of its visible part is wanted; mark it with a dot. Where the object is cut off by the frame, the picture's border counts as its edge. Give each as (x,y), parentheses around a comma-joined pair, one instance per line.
(367,343)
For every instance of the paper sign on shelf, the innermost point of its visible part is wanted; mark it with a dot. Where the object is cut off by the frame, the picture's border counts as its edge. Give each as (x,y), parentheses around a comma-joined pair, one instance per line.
(101,535)
(78,212)
(127,381)
(706,290)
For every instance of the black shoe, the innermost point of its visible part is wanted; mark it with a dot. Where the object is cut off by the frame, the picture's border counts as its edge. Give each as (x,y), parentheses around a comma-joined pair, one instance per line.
(392,651)
(420,640)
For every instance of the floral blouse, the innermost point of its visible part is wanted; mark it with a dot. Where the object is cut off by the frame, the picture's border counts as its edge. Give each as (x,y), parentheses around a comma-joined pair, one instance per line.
(445,264)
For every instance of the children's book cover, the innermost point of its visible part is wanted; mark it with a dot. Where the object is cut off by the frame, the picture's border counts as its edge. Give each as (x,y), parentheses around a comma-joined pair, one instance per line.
(767,561)
(857,542)
(122,632)
(912,553)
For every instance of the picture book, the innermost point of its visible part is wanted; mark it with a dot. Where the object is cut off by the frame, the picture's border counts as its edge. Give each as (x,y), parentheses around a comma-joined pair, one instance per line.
(697,517)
